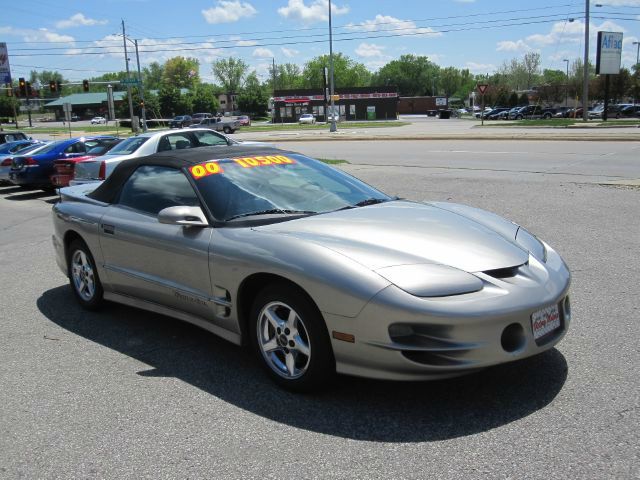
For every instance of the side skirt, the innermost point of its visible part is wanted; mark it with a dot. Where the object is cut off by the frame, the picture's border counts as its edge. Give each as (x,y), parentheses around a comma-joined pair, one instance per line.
(171,312)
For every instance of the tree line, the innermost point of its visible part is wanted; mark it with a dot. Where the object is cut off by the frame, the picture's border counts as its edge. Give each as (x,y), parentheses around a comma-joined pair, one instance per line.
(175,87)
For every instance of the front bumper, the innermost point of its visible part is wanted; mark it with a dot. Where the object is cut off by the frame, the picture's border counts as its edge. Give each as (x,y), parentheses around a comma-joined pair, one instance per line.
(402,337)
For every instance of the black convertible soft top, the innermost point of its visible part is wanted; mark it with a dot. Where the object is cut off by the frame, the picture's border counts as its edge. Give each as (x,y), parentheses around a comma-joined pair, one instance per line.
(108,191)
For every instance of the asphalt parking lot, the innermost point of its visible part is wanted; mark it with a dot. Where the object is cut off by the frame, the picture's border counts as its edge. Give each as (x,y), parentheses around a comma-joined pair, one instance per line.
(124,393)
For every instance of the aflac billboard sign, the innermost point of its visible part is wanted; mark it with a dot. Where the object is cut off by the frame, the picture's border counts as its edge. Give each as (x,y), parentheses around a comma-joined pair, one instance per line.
(609,53)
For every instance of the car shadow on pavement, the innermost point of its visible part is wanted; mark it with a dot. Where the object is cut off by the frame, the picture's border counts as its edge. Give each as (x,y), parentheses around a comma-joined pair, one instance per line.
(353,408)
(22,195)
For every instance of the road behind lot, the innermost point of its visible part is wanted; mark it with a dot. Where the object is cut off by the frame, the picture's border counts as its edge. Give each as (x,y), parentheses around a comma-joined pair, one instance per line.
(124,393)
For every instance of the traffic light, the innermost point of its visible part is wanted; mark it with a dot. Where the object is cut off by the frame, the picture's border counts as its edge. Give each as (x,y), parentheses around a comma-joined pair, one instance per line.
(29,90)
(53,86)
(22,86)
(58,86)
(141,103)
(85,85)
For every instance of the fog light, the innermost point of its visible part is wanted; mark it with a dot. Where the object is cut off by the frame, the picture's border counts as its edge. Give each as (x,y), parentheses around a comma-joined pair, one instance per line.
(513,338)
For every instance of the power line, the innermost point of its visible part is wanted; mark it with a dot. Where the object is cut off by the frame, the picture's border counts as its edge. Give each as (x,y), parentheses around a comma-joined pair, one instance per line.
(423,31)
(350,25)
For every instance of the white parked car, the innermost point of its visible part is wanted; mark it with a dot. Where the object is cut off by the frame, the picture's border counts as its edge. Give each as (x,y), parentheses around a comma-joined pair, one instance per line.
(99,168)
(98,121)
(307,119)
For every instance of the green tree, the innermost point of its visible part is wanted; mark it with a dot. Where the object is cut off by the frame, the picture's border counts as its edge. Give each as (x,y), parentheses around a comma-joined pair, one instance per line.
(288,76)
(513,100)
(181,72)
(230,72)
(253,98)
(172,102)
(523,99)
(413,75)
(7,105)
(450,80)
(531,65)
(152,76)
(346,72)
(204,98)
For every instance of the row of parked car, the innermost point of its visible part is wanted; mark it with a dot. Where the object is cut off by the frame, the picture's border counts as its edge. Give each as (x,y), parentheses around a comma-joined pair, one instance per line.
(208,120)
(540,112)
(29,163)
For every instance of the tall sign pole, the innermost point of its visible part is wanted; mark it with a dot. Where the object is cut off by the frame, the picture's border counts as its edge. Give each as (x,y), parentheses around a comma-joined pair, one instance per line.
(585,67)
(143,110)
(126,61)
(482,88)
(333,126)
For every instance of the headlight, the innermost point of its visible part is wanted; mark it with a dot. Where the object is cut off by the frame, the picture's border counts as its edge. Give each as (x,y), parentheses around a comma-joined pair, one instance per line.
(427,280)
(529,242)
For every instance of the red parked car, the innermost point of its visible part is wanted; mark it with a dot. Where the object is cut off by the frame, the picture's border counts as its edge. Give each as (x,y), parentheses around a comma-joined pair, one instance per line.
(65,168)
(244,121)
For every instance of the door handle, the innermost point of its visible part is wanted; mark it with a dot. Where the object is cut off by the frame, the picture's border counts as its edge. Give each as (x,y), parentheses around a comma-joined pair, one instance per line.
(110,229)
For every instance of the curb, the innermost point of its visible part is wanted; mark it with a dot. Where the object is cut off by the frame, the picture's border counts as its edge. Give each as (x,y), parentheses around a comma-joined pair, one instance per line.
(583,137)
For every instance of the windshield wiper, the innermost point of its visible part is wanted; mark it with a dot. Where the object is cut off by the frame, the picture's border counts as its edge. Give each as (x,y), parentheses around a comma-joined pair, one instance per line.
(270,212)
(365,202)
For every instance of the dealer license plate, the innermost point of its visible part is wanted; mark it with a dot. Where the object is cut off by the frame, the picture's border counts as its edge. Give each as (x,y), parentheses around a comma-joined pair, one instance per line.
(545,321)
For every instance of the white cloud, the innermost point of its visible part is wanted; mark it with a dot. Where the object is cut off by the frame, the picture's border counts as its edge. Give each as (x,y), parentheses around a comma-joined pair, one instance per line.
(386,22)
(262,52)
(32,35)
(246,43)
(316,11)
(79,20)
(480,67)
(509,46)
(228,11)
(370,50)
(289,52)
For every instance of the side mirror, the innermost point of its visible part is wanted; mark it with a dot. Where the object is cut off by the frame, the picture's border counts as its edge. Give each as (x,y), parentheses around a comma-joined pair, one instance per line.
(183,215)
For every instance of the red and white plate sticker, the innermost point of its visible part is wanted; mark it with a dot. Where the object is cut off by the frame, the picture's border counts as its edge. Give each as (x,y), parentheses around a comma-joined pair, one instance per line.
(545,321)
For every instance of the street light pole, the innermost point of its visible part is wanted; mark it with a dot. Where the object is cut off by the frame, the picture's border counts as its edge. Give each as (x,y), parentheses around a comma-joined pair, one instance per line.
(126,58)
(333,126)
(566,88)
(585,67)
(637,68)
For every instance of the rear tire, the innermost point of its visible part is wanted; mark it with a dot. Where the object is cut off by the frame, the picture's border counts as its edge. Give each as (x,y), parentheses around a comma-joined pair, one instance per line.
(290,339)
(227,130)
(83,276)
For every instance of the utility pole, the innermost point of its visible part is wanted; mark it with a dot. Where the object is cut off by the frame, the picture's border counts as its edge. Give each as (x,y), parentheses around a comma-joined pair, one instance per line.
(143,110)
(637,67)
(273,80)
(566,88)
(126,61)
(333,126)
(585,78)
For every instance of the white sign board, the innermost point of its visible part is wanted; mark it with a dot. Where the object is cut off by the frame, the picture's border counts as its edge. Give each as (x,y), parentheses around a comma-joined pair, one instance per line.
(441,102)
(609,53)
(5,70)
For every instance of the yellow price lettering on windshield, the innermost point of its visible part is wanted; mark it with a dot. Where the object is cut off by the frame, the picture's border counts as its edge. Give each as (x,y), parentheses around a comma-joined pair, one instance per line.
(205,169)
(258,161)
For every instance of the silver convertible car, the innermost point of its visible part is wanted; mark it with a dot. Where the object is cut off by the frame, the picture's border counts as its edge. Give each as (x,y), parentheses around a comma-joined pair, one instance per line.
(317,271)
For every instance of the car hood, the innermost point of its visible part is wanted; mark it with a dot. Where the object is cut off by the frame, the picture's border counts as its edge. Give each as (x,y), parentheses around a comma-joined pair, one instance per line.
(407,233)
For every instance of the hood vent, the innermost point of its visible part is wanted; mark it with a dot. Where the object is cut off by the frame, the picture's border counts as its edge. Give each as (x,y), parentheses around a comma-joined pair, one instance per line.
(502,273)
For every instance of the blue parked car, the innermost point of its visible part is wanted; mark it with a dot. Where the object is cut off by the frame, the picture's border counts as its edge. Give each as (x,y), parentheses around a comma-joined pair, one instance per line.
(17,146)
(34,170)
(7,158)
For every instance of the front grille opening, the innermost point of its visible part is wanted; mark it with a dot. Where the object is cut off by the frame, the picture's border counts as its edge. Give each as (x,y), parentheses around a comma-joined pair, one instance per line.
(508,272)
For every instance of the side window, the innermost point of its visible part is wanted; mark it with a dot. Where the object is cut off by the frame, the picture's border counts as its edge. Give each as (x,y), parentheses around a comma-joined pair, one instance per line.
(209,138)
(152,188)
(77,147)
(175,141)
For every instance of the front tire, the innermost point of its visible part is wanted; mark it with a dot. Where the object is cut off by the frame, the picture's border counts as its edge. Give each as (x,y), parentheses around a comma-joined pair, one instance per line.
(227,130)
(83,276)
(290,339)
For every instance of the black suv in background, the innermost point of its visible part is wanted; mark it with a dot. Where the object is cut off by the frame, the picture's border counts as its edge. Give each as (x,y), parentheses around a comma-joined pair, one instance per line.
(181,121)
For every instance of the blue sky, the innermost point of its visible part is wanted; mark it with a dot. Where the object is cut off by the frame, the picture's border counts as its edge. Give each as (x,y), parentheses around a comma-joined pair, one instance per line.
(79,38)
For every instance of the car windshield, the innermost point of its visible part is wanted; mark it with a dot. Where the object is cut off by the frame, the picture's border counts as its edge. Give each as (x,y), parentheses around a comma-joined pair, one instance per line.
(127,146)
(278,184)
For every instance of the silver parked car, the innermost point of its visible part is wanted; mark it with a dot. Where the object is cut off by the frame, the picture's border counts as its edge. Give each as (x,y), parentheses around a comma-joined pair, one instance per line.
(317,271)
